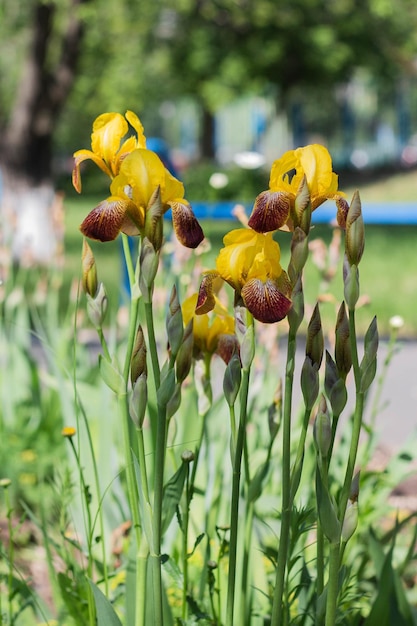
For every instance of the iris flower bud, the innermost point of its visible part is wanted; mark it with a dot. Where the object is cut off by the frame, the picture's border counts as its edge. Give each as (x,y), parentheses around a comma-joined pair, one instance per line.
(355,231)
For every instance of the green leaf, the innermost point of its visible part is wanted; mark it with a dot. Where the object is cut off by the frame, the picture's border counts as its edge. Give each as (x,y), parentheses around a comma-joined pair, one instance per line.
(74,592)
(368,370)
(172,495)
(111,375)
(144,504)
(327,510)
(390,605)
(106,615)
(167,387)
(256,484)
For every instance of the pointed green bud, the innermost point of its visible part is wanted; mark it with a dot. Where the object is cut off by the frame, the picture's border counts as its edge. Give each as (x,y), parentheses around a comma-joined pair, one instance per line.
(343,352)
(326,508)
(138,360)
(153,220)
(299,253)
(315,339)
(350,523)
(369,361)
(139,400)
(245,336)
(302,207)
(89,270)
(334,386)
(184,358)
(232,379)
(355,231)
(174,402)
(309,382)
(296,313)
(354,487)
(166,388)
(149,261)
(322,429)
(174,323)
(97,306)
(371,340)
(351,283)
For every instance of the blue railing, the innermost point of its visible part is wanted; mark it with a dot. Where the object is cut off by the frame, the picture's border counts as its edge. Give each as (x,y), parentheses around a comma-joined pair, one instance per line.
(395,213)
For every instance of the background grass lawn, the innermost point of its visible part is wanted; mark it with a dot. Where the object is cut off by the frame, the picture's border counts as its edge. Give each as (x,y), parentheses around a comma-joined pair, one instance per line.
(388,270)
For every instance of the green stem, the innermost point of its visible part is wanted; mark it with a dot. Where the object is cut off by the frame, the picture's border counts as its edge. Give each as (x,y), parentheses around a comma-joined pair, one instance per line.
(333,584)
(245,610)
(322,466)
(86,500)
(277,604)
(299,459)
(185,521)
(152,344)
(232,431)
(335,549)
(159,466)
(357,420)
(132,491)
(143,549)
(128,260)
(141,544)
(320,560)
(335,422)
(234,514)
(99,499)
(103,343)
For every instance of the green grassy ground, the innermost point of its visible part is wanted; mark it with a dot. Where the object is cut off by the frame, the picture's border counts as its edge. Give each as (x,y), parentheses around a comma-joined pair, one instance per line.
(388,269)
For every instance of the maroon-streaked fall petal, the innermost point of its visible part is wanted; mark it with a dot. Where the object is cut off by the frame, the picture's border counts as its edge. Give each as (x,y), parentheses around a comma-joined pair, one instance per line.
(205,299)
(108,218)
(186,226)
(270,211)
(265,300)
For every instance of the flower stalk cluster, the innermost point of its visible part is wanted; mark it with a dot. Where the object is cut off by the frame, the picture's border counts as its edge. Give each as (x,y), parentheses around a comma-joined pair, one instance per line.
(159,365)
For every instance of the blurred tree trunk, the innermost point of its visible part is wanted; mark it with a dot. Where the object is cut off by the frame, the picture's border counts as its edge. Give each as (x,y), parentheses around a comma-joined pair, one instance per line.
(28,194)
(207,139)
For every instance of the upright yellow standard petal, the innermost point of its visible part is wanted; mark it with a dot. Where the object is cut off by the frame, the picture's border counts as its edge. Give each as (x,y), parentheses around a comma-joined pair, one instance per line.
(142,171)
(108,131)
(246,255)
(110,143)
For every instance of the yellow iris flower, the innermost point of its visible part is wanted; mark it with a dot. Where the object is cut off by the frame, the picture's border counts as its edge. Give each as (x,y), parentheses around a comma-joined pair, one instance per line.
(213,333)
(107,149)
(137,175)
(311,164)
(250,263)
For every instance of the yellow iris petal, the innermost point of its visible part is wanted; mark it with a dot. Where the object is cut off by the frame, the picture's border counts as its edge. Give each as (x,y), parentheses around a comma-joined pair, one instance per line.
(208,327)
(136,124)
(108,131)
(312,162)
(246,255)
(142,171)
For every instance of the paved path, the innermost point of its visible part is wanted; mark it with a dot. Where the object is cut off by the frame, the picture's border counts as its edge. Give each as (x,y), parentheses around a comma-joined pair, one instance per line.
(397,418)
